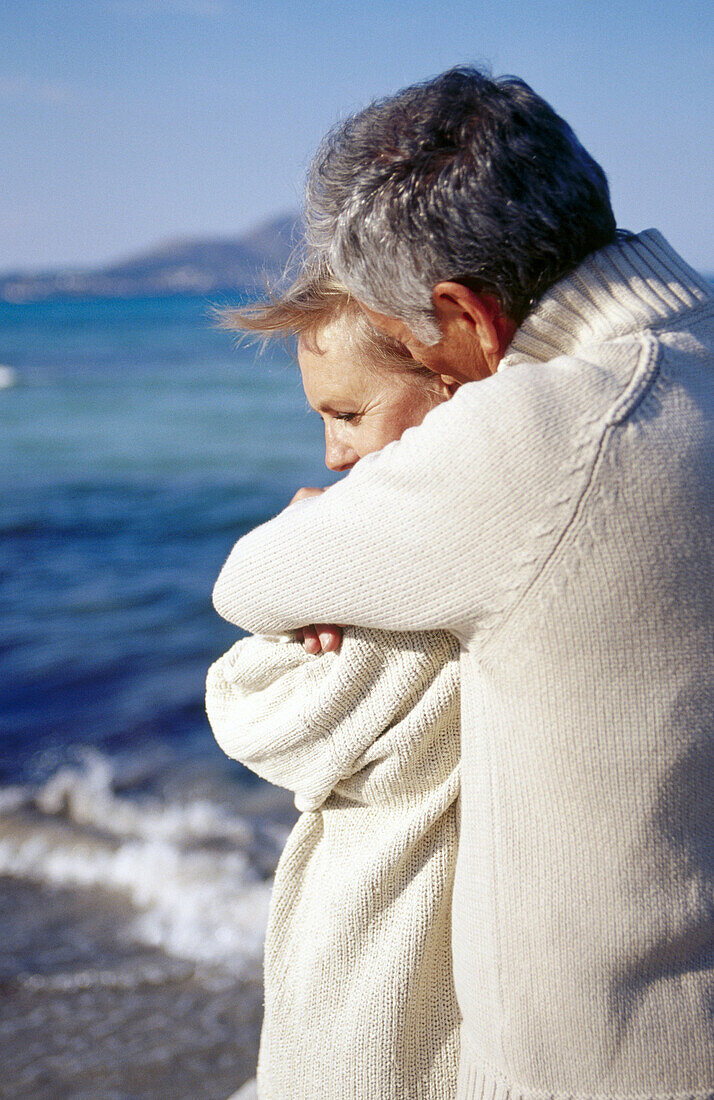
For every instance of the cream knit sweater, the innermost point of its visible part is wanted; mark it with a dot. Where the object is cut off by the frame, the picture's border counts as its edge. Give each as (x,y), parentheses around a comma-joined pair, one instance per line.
(359,996)
(558,519)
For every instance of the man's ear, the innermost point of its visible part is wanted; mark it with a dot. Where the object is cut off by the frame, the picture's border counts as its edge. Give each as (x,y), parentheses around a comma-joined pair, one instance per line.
(450,384)
(457,307)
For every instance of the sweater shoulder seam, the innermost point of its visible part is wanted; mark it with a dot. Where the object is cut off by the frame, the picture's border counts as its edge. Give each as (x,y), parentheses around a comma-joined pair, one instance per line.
(620,410)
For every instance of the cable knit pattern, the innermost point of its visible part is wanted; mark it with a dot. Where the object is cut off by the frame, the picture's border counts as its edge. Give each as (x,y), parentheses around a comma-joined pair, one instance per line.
(558,519)
(359,996)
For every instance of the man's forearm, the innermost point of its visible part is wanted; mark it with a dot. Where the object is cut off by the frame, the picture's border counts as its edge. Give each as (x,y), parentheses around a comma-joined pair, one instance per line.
(367,552)
(439,531)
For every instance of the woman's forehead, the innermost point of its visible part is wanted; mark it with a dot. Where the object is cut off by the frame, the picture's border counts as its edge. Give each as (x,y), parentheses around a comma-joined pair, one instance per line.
(332,371)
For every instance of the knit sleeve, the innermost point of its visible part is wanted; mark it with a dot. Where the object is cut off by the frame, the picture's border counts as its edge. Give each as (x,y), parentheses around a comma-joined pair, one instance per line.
(305,722)
(440,530)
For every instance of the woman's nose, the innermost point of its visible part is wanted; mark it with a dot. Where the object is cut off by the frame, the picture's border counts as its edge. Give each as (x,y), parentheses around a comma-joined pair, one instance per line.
(339,455)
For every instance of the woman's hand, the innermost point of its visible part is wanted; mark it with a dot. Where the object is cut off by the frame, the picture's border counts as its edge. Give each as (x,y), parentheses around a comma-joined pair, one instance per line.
(319,637)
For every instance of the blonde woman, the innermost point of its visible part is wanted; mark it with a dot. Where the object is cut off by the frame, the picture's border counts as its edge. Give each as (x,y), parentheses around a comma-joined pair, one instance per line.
(359,997)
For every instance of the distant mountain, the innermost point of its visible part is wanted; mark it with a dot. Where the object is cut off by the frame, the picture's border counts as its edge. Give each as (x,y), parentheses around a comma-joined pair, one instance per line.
(203,266)
(243,263)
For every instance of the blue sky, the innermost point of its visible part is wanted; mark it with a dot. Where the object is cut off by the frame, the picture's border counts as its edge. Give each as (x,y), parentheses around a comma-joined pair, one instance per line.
(124,123)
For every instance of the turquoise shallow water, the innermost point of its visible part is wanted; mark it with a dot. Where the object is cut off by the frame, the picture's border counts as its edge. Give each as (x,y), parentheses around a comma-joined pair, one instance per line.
(136,444)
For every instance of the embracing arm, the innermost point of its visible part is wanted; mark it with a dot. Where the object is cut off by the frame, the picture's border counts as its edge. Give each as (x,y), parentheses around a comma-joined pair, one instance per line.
(375,550)
(441,530)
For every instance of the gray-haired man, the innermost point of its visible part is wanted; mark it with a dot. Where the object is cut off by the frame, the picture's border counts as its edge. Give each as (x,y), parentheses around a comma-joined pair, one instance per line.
(557,518)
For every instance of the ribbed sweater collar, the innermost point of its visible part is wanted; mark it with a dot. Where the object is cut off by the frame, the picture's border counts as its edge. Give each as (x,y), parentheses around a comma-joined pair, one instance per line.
(630,285)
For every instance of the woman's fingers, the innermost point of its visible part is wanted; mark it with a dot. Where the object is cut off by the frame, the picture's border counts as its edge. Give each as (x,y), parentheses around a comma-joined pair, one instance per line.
(310,640)
(330,636)
(320,638)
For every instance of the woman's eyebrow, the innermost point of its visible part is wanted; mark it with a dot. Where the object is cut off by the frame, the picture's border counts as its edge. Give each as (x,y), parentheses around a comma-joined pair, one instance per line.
(326,407)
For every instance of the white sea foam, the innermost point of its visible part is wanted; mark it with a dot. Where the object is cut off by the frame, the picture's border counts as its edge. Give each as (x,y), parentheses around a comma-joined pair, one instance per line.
(12,798)
(86,796)
(194,873)
(8,377)
(93,978)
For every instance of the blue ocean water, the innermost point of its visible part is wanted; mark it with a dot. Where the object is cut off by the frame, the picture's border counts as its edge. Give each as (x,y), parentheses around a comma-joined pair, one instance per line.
(137,442)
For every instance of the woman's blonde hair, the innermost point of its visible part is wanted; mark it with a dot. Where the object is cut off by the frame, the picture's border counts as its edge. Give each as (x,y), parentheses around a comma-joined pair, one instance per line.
(315,300)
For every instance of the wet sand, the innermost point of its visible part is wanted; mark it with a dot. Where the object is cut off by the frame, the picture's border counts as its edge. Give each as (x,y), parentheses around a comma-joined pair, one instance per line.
(85,1014)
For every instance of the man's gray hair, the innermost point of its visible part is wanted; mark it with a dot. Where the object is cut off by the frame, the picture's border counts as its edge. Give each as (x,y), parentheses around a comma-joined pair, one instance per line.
(463,178)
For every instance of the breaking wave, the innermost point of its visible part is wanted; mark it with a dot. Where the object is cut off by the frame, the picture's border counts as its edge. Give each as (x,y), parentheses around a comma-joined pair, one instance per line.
(197,874)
